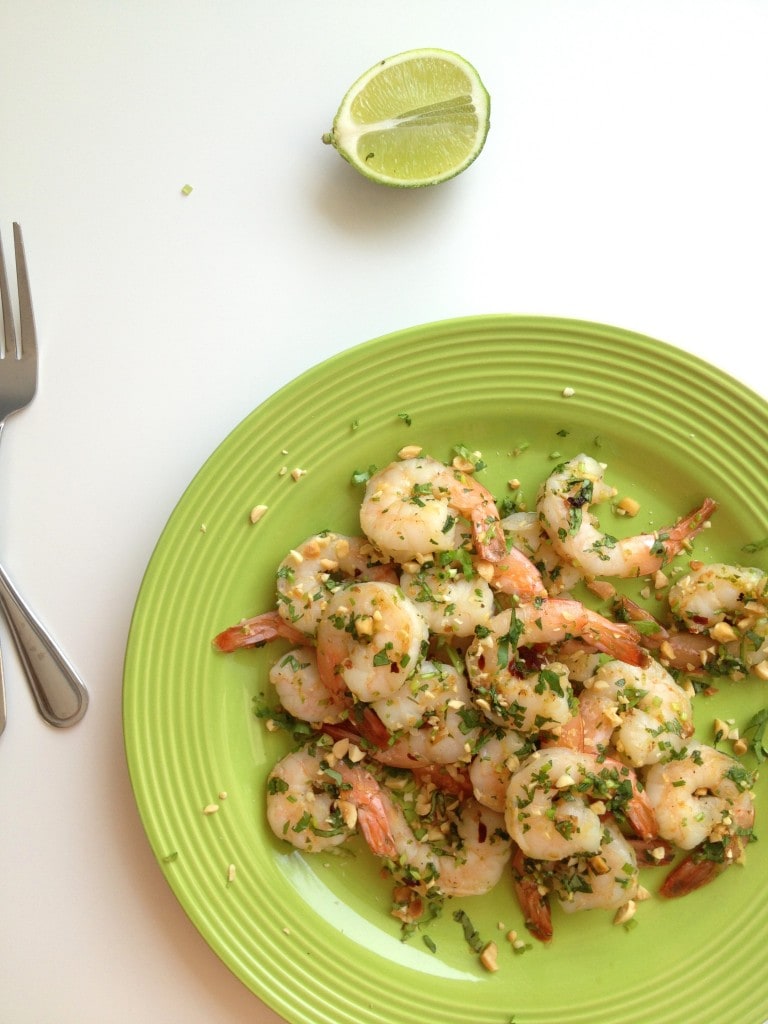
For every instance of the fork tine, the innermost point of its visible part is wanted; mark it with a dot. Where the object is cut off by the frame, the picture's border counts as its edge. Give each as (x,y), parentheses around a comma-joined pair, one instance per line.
(28,334)
(9,331)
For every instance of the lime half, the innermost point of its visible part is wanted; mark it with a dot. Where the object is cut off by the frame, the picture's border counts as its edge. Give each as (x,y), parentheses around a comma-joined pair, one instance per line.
(414,119)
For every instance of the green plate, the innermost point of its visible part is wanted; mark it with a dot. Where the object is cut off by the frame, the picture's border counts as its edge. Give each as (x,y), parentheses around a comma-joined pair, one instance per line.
(311,935)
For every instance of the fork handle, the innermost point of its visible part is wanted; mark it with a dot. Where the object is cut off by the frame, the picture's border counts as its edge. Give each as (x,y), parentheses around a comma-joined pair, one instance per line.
(60,695)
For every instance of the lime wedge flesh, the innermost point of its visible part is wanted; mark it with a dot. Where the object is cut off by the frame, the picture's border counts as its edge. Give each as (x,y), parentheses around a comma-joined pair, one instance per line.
(414,119)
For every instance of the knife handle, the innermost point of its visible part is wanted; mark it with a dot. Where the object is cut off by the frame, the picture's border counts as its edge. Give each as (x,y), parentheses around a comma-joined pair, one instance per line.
(60,695)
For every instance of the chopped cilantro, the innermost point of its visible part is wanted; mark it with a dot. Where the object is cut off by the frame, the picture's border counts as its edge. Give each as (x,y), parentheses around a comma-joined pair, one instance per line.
(755,729)
(362,476)
(470,933)
(473,457)
(755,545)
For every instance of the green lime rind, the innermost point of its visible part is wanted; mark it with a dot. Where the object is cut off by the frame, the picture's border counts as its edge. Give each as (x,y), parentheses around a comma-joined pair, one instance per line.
(415,119)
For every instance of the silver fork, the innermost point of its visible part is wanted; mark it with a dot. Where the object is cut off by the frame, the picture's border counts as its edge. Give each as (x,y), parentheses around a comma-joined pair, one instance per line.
(60,695)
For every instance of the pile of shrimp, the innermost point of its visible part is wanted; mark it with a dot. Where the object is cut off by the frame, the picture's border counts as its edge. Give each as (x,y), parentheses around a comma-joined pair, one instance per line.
(474,722)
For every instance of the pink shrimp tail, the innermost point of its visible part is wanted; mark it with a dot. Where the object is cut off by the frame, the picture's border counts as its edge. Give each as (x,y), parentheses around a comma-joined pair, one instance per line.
(642,817)
(695,871)
(688,876)
(586,731)
(372,817)
(640,813)
(376,834)
(572,735)
(687,528)
(515,574)
(477,503)
(535,907)
(618,639)
(258,630)
(488,533)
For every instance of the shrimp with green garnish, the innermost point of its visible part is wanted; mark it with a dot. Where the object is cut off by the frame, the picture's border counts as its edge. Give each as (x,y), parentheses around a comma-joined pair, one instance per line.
(703,803)
(563,506)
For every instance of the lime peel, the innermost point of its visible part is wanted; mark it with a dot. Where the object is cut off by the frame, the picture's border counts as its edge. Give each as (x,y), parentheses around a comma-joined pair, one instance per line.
(414,119)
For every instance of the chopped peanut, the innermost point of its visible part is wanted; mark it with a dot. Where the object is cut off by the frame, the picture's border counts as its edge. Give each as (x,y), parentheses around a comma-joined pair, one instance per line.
(723,633)
(340,748)
(485,570)
(628,506)
(489,957)
(625,913)
(410,451)
(348,812)
(598,865)
(364,625)
(603,589)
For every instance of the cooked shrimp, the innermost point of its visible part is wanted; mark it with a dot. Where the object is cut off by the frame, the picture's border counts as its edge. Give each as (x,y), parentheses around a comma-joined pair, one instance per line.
(431,719)
(557,797)
(711,594)
(640,713)
(700,797)
(493,766)
(705,863)
(703,803)
(471,865)
(370,639)
(482,855)
(563,508)
(606,881)
(556,620)
(311,572)
(452,604)
(529,702)
(416,507)
(302,692)
(315,807)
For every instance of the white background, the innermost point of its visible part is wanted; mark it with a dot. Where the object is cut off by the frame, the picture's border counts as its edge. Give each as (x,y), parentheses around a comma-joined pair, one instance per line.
(624,180)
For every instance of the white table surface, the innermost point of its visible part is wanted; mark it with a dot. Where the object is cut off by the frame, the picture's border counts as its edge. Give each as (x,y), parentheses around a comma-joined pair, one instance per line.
(624,180)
